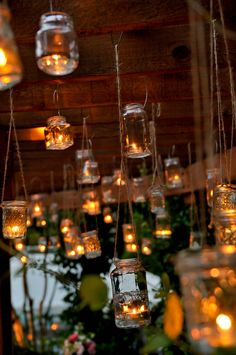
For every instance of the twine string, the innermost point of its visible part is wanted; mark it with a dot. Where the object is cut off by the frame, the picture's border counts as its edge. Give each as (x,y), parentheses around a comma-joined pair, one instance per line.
(56,100)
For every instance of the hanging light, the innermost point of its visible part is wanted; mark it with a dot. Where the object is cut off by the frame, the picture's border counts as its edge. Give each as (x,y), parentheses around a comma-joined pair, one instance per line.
(195,240)
(56,44)
(74,247)
(58,135)
(138,190)
(118,178)
(41,221)
(173,173)
(208,280)
(89,173)
(91,203)
(42,244)
(36,206)
(107,215)
(92,244)
(19,245)
(136,130)
(65,225)
(29,221)
(146,246)
(163,229)
(130,295)
(212,180)
(157,200)
(128,233)
(10,64)
(107,190)
(131,247)
(14,216)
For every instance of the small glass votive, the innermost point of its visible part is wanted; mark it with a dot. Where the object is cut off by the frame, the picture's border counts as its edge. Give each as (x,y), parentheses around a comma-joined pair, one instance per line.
(74,247)
(42,244)
(91,203)
(118,178)
(89,173)
(58,135)
(131,247)
(41,221)
(138,190)
(128,233)
(163,228)
(130,296)
(65,225)
(14,217)
(36,206)
(173,173)
(107,190)
(107,215)
(157,200)
(212,180)
(208,280)
(92,246)
(146,246)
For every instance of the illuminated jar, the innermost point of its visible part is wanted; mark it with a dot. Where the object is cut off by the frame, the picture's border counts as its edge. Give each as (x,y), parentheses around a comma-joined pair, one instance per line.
(19,245)
(36,206)
(138,190)
(14,217)
(89,173)
(118,178)
(58,135)
(163,229)
(56,44)
(41,221)
(173,173)
(131,247)
(136,131)
(92,246)
(130,296)
(91,203)
(42,244)
(212,180)
(128,233)
(10,64)
(74,247)
(107,190)
(208,280)
(66,224)
(107,215)
(157,200)
(195,240)
(146,246)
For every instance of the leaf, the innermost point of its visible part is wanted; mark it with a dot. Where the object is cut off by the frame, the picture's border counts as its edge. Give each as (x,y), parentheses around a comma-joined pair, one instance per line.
(173,316)
(93,292)
(155,342)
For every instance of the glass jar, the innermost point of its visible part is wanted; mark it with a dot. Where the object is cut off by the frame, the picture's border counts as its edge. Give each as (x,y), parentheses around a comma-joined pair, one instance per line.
(173,173)
(107,190)
(224,201)
(10,64)
(130,296)
(14,217)
(208,280)
(58,135)
(128,233)
(131,247)
(107,215)
(74,247)
(41,221)
(92,246)
(138,190)
(56,44)
(163,228)
(212,180)
(225,230)
(89,173)
(146,246)
(91,203)
(36,206)
(118,178)
(195,240)
(137,139)
(157,200)
(65,225)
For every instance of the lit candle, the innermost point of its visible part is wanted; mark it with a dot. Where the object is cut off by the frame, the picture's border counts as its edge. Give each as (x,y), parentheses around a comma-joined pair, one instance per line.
(19,245)
(80,249)
(3,58)
(42,248)
(108,218)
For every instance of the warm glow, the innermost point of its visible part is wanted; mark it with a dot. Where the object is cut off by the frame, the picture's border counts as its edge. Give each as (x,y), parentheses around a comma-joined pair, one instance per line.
(228,249)
(163,232)
(71,253)
(3,58)
(224,322)
(146,250)
(142,308)
(37,208)
(130,237)
(211,192)
(43,222)
(125,309)
(176,177)
(54,326)
(19,246)
(134,310)
(108,218)
(134,247)
(42,248)
(65,229)
(60,138)
(214,272)
(80,249)
(24,259)
(15,229)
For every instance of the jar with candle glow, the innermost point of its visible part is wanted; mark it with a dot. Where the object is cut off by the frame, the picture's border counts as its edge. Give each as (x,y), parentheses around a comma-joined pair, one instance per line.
(36,205)
(157,200)
(128,233)
(208,280)
(89,173)
(137,138)
(10,64)
(118,178)
(41,221)
(130,296)
(173,173)
(65,225)
(107,215)
(56,44)
(163,228)
(146,246)
(58,135)
(107,190)
(131,247)
(212,180)
(92,246)
(19,245)
(74,247)
(91,203)
(14,217)
(138,190)
(42,244)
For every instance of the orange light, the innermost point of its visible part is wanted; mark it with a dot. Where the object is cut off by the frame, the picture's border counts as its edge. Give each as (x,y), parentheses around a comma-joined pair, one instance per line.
(54,326)
(223,321)
(3,58)
(24,259)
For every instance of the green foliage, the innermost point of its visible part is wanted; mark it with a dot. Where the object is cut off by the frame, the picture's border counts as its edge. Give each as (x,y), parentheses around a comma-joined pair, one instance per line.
(93,292)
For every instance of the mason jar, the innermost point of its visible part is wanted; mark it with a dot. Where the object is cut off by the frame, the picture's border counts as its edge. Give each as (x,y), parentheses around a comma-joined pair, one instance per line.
(157,200)
(163,228)
(136,131)
(173,173)
(138,190)
(130,296)
(58,135)
(128,233)
(92,246)
(14,217)
(56,44)
(89,173)
(107,190)
(10,64)
(212,180)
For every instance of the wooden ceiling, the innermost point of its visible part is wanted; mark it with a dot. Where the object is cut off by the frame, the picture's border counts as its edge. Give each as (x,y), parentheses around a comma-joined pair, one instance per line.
(155,56)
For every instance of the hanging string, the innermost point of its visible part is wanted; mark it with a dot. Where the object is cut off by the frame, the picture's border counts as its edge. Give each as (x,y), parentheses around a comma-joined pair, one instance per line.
(146,95)
(211,80)
(50,4)
(56,99)
(156,174)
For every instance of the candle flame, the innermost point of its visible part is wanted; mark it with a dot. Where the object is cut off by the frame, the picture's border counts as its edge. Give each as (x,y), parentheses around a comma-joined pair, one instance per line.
(223,321)
(3,58)
(15,229)
(19,246)
(80,249)
(42,248)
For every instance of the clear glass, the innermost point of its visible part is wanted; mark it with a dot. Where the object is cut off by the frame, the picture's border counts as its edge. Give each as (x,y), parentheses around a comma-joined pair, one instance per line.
(157,200)
(91,203)
(208,280)
(118,178)
(19,245)
(128,233)
(163,229)
(131,247)
(224,201)
(14,217)
(66,224)
(212,180)
(10,64)
(138,190)
(92,244)
(225,230)
(146,246)
(136,130)
(56,44)
(130,296)
(74,247)
(107,215)
(36,206)
(58,135)
(107,190)
(195,240)
(173,173)
(89,173)
(41,221)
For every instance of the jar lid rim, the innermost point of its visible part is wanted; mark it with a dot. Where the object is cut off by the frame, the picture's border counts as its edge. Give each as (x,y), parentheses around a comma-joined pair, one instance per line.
(133,104)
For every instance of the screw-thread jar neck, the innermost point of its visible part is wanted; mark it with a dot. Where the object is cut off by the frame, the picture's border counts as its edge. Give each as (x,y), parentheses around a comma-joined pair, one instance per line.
(56,120)
(55,19)
(127,264)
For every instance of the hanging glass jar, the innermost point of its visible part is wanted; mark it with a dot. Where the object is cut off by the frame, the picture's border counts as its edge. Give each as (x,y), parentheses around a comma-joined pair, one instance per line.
(173,173)
(208,280)
(136,131)
(14,216)
(138,190)
(58,135)
(107,215)
(118,178)
(212,180)
(89,173)
(91,203)
(146,246)
(42,244)
(163,228)
(107,190)
(29,221)
(157,200)
(66,224)
(131,247)
(36,206)
(41,221)
(195,240)
(74,247)
(128,233)
(56,44)
(130,297)
(19,245)
(92,244)
(10,64)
